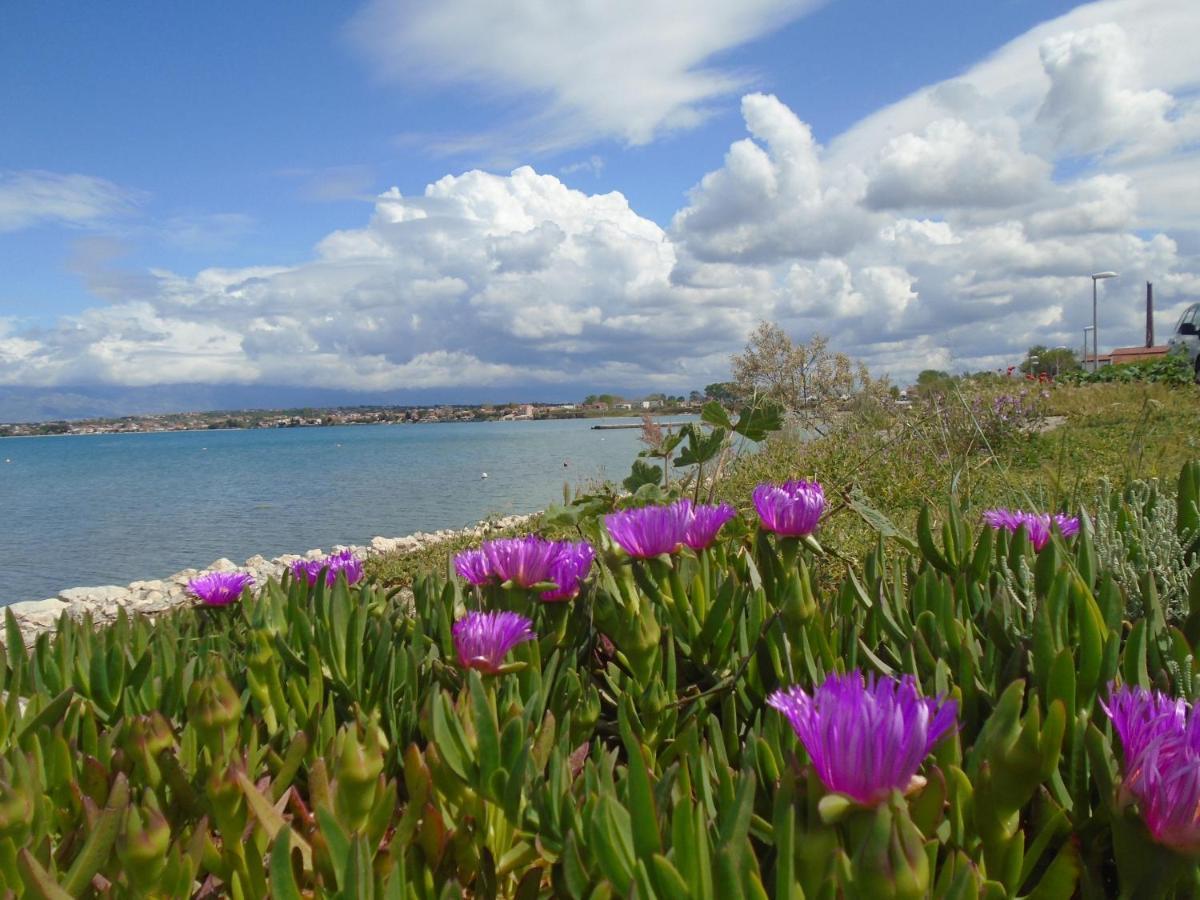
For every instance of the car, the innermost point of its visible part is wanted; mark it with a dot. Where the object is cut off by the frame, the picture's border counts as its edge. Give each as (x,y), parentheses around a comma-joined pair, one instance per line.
(1186,339)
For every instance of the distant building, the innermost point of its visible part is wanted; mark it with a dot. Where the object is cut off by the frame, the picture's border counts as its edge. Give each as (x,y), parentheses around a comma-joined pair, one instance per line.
(1121,355)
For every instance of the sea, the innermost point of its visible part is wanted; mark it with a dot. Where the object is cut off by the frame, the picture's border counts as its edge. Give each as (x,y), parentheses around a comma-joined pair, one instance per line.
(83,510)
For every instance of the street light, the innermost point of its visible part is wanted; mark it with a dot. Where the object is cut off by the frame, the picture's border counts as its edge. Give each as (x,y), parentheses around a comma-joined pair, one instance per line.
(1096,331)
(1086,329)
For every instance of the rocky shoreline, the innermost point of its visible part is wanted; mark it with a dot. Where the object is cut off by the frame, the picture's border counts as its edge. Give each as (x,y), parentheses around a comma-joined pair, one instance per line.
(156,596)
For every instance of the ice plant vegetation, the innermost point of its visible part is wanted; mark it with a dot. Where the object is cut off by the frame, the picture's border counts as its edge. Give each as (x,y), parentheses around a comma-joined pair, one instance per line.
(323,743)
(1037,525)
(650,531)
(570,569)
(704,522)
(791,509)
(483,639)
(866,737)
(219,588)
(1160,740)
(344,562)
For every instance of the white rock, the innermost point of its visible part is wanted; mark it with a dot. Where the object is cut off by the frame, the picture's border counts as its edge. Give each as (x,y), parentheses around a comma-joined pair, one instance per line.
(43,613)
(155,585)
(104,594)
(223,565)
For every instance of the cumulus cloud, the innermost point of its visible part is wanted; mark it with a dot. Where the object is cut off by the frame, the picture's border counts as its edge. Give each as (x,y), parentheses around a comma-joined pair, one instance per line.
(773,199)
(629,69)
(946,231)
(1095,103)
(34,197)
(481,279)
(950,164)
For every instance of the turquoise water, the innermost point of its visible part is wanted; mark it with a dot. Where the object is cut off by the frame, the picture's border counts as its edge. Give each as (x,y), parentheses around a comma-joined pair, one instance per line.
(110,509)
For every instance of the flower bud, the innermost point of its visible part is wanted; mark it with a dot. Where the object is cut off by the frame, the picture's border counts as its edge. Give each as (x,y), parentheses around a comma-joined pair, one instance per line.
(142,847)
(16,811)
(227,801)
(359,764)
(214,708)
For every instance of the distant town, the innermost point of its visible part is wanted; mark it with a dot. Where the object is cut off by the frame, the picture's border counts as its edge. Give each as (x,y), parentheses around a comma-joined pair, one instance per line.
(594,406)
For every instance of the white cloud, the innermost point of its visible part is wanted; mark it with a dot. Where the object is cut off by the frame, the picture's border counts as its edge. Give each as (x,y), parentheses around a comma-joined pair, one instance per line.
(1094,103)
(630,69)
(482,279)
(34,197)
(941,232)
(773,199)
(950,164)
(593,165)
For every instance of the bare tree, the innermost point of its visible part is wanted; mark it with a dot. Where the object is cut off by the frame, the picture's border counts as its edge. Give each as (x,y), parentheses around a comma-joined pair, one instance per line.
(807,379)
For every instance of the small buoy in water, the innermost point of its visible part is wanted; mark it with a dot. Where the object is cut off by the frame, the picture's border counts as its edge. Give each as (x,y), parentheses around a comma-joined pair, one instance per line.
(483,475)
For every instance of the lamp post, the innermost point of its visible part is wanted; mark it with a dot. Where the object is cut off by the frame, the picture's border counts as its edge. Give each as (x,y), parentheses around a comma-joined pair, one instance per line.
(1086,329)
(1098,276)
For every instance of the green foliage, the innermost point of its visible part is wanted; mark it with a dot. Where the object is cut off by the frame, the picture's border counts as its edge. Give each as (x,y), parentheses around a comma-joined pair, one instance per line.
(1170,370)
(324,742)
(1054,361)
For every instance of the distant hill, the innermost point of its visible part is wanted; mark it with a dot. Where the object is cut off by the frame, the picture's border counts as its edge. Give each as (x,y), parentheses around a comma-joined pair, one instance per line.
(23,404)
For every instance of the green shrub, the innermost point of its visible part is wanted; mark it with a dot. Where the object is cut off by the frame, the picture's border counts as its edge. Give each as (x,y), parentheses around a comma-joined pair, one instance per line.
(1171,369)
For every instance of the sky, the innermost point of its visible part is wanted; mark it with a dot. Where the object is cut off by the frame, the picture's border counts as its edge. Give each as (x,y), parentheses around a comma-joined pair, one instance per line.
(467,200)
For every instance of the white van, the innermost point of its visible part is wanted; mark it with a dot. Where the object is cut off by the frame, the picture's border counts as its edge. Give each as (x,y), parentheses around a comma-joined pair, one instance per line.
(1186,339)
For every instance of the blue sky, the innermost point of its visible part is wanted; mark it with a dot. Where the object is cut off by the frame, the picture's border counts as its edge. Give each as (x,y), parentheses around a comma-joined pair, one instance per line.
(214,136)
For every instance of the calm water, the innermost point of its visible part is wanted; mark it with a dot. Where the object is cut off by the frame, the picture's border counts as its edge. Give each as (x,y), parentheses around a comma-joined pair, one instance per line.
(110,509)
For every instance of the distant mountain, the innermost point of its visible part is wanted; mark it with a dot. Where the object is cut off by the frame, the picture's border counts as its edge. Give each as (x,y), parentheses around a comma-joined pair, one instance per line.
(22,404)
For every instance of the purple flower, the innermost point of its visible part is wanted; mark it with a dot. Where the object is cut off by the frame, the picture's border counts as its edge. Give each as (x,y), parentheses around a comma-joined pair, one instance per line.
(219,588)
(344,562)
(569,571)
(1160,739)
(525,561)
(650,531)
(482,640)
(866,738)
(1037,525)
(791,509)
(704,522)
(473,566)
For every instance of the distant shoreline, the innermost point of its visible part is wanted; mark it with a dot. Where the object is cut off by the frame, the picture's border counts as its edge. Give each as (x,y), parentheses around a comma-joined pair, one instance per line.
(95,430)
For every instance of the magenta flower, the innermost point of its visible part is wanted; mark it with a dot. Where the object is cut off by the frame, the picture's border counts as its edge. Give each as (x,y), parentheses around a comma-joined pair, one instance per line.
(1160,740)
(473,566)
(219,588)
(525,561)
(649,531)
(792,509)
(482,640)
(866,739)
(571,568)
(1037,525)
(704,522)
(343,562)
